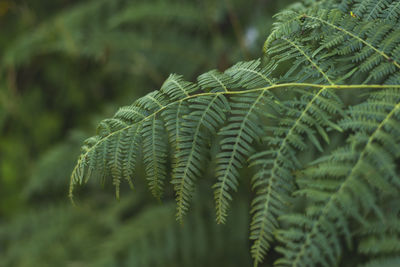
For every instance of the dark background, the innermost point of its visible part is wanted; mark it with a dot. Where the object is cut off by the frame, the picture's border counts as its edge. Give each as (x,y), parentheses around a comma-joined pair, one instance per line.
(65,65)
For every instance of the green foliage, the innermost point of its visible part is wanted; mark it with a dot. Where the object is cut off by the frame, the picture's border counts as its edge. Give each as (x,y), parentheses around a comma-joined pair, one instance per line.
(67,64)
(64,64)
(318,117)
(380,239)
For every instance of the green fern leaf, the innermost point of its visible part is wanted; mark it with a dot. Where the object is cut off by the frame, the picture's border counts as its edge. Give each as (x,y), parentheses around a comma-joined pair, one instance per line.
(176,88)
(380,238)
(216,81)
(155,154)
(387,262)
(206,117)
(274,182)
(236,145)
(352,172)
(250,74)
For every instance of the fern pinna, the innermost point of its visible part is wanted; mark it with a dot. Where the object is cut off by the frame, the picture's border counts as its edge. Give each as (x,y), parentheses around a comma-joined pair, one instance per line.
(329,77)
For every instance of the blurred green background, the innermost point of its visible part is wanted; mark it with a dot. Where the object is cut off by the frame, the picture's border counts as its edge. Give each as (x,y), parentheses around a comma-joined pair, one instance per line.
(66,64)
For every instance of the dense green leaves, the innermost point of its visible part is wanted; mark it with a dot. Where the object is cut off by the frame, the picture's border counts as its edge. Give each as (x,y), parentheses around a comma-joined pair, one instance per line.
(318,117)
(236,145)
(344,184)
(305,119)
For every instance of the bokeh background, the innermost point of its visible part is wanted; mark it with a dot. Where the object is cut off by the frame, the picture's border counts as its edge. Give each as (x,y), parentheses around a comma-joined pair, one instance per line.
(65,65)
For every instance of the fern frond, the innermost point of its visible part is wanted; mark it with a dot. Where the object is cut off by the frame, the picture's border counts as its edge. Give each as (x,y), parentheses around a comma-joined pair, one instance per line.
(309,116)
(133,139)
(289,103)
(208,114)
(239,137)
(386,262)
(370,10)
(250,74)
(111,149)
(392,12)
(354,48)
(155,154)
(380,238)
(176,88)
(242,130)
(342,185)
(131,114)
(215,80)
(364,36)
(173,117)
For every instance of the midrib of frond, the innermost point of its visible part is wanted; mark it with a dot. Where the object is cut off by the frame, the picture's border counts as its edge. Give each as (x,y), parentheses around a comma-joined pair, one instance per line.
(373,9)
(180,87)
(132,111)
(356,11)
(104,159)
(309,59)
(351,175)
(227,171)
(274,86)
(131,153)
(272,36)
(155,101)
(393,9)
(155,162)
(187,165)
(177,124)
(177,140)
(258,257)
(257,73)
(383,54)
(73,180)
(116,168)
(220,82)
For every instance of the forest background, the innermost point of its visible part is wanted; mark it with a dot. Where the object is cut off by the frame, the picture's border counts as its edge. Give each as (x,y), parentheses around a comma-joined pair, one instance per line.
(66,64)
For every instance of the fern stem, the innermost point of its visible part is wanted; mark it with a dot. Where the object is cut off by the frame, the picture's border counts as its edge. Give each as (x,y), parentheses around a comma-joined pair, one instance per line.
(274,86)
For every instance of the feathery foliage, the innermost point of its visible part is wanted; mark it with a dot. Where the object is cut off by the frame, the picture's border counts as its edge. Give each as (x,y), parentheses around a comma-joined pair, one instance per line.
(318,116)
(380,240)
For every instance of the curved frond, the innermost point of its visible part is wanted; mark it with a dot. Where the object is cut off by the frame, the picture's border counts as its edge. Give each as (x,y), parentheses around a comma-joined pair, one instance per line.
(154,154)
(318,116)
(307,118)
(206,117)
(341,186)
(238,136)
(215,80)
(250,74)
